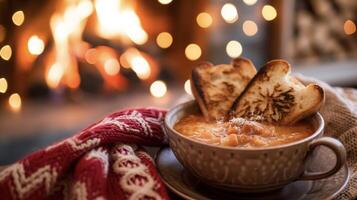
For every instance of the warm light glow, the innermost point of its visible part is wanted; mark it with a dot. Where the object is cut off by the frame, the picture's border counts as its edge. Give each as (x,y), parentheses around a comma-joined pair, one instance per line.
(15,102)
(91,56)
(35,45)
(349,27)
(229,13)
(2,33)
(193,52)
(116,20)
(158,89)
(204,20)
(6,52)
(3,85)
(250,2)
(136,62)
(269,13)
(187,87)
(234,49)
(164,40)
(18,18)
(165,1)
(54,75)
(250,28)
(111,66)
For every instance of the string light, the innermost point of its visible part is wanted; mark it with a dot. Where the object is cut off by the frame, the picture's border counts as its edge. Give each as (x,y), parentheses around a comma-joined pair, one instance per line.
(234,49)
(349,27)
(15,102)
(111,66)
(229,13)
(164,40)
(3,85)
(193,51)
(250,28)
(158,89)
(35,45)
(18,18)
(6,52)
(250,2)
(2,33)
(269,13)
(165,2)
(187,87)
(204,20)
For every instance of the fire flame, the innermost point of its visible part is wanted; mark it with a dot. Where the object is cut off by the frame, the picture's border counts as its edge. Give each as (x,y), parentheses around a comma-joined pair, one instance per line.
(119,20)
(67,29)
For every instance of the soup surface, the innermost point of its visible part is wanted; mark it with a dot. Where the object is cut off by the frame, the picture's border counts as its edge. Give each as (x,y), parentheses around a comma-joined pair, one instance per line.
(239,132)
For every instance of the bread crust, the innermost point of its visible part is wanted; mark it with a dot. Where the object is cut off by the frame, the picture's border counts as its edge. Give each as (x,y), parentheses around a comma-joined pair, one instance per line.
(276,97)
(216,87)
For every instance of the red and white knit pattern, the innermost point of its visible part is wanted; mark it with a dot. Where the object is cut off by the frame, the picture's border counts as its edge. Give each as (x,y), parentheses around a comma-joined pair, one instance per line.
(96,163)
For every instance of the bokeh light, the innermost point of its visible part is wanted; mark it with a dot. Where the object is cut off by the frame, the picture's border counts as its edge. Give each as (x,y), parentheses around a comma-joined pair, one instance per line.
(250,2)
(18,18)
(3,85)
(234,49)
(6,52)
(111,66)
(349,27)
(193,51)
(269,13)
(204,20)
(158,89)
(165,1)
(187,87)
(35,45)
(229,13)
(15,102)
(164,40)
(250,28)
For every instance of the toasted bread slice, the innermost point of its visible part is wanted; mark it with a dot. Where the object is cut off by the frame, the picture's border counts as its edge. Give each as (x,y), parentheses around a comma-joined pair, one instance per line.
(274,96)
(216,87)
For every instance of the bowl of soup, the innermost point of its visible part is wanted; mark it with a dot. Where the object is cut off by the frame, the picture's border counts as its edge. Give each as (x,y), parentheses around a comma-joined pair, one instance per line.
(243,155)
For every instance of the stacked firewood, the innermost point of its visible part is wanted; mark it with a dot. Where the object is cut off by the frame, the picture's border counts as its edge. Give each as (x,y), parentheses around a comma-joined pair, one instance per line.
(319,30)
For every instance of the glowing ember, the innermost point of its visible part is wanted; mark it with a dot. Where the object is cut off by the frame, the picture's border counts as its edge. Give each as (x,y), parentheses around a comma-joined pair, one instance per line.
(54,75)
(204,20)
(234,49)
(134,60)
(3,85)
(111,66)
(229,13)
(250,28)
(35,45)
(164,40)
(116,20)
(269,13)
(15,102)
(18,18)
(158,89)
(6,52)
(187,87)
(193,52)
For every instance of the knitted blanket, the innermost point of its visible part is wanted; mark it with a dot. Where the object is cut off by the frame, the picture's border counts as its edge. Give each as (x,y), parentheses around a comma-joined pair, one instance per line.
(98,162)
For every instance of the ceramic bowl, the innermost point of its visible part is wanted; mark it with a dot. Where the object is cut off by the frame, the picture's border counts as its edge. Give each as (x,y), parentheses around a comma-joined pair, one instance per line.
(253,169)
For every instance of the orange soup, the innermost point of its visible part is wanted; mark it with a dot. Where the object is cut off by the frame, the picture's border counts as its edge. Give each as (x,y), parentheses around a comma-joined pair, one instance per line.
(239,132)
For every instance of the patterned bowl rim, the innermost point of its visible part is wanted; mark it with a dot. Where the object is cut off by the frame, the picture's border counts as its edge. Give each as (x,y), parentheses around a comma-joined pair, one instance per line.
(188,104)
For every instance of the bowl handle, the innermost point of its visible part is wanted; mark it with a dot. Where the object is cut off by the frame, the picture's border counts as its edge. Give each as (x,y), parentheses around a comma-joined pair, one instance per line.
(338,149)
